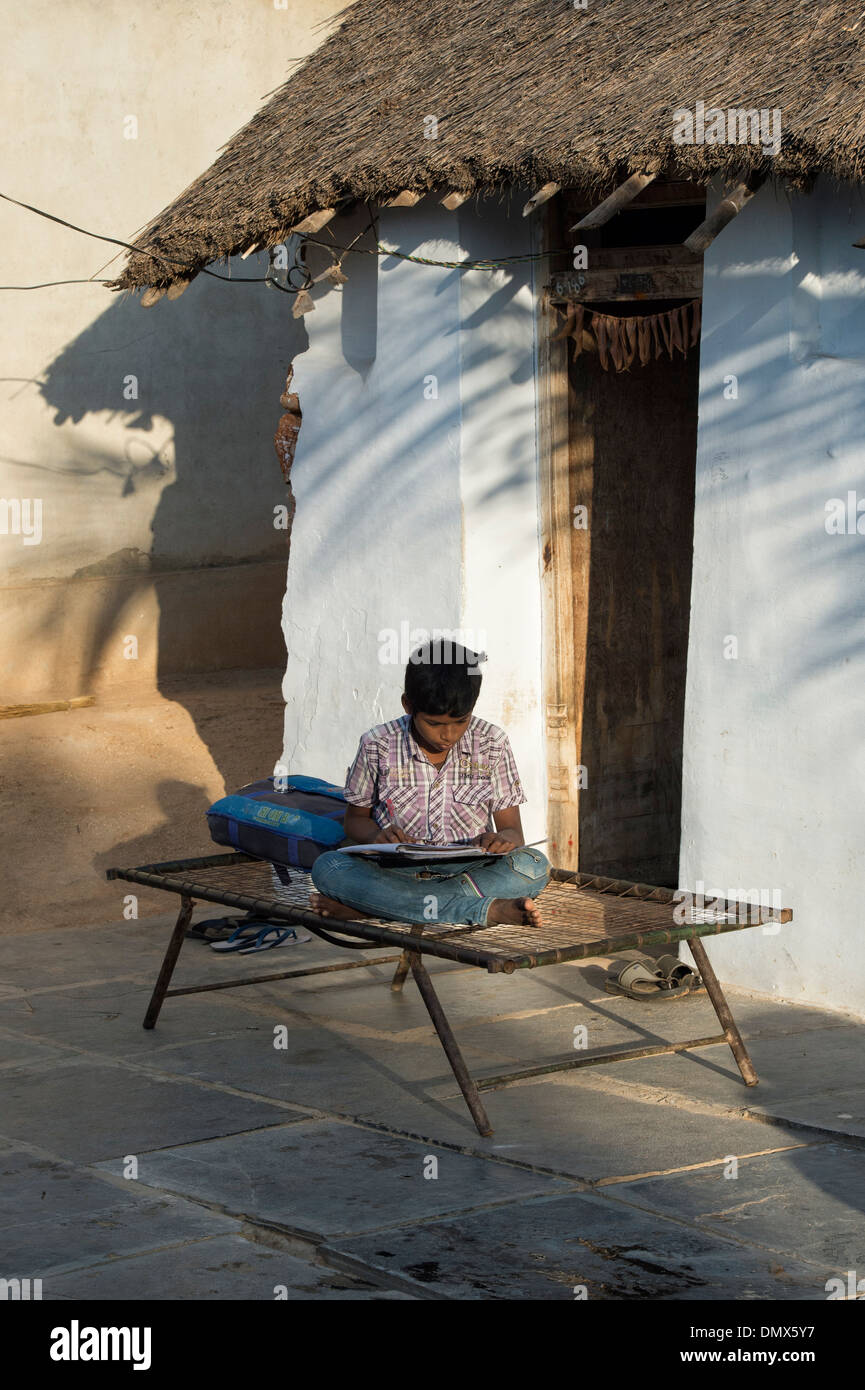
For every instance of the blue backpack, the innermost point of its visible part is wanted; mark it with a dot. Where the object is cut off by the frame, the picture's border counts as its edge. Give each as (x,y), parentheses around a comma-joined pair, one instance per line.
(291,826)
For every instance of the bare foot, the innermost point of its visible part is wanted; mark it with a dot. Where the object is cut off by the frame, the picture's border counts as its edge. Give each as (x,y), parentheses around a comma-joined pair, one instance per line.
(330,907)
(518,912)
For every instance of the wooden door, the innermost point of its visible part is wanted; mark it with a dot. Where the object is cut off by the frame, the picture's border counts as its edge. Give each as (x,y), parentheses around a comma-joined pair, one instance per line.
(617,592)
(633,439)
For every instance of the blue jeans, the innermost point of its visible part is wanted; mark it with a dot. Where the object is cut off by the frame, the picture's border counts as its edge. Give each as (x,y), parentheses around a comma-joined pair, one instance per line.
(426,893)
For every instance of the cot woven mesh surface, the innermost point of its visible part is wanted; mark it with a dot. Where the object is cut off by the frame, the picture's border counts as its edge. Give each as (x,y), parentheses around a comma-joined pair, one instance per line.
(578,921)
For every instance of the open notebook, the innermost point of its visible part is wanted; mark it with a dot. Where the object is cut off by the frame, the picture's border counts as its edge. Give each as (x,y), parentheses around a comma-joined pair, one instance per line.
(442,853)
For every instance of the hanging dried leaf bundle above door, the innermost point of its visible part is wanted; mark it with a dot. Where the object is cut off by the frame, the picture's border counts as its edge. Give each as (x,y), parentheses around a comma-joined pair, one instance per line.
(621,340)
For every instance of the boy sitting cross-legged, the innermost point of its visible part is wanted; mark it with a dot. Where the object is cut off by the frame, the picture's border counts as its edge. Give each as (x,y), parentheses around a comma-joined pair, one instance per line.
(439,775)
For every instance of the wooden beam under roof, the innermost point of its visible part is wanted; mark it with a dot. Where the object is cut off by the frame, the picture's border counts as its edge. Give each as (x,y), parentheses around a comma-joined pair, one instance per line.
(406,199)
(454,200)
(627,284)
(618,199)
(640,257)
(729,207)
(623,273)
(542,196)
(314,222)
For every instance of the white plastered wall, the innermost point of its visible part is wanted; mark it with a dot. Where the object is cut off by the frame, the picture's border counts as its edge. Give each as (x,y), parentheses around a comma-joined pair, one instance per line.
(773,764)
(416,487)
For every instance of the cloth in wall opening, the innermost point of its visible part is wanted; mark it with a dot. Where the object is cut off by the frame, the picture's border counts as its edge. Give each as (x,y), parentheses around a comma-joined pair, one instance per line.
(623,340)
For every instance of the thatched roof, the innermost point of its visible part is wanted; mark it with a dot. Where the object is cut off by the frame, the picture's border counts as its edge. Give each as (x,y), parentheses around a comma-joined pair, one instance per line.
(525,91)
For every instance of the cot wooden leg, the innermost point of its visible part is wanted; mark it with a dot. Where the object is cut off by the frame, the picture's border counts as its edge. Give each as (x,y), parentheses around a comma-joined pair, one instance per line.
(402,969)
(450,1045)
(722,1009)
(400,973)
(163,979)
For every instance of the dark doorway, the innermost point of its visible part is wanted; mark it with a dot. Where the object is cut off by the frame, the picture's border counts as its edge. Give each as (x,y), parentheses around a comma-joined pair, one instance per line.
(632,449)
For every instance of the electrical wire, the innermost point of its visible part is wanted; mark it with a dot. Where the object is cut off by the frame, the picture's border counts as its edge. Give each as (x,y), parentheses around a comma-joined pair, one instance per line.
(115,241)
(49,284)
(488,263)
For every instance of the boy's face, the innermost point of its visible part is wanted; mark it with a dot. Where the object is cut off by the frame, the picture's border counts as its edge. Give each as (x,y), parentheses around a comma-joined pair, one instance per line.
(437,732)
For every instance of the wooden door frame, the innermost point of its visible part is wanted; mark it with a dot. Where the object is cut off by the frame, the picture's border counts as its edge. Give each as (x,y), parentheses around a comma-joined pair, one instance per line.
(566,463)
(564,572)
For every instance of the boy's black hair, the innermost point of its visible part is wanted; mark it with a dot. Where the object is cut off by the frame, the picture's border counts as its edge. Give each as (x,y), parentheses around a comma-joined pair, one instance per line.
(443,678)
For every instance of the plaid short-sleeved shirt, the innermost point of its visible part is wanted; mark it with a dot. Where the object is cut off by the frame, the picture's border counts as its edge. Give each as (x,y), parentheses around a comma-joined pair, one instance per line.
(443,805)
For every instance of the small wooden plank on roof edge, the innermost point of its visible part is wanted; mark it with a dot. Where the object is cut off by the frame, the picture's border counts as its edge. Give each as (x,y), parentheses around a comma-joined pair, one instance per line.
(314,222)
(729,207)
(618,199)
(406,199)
(542,196)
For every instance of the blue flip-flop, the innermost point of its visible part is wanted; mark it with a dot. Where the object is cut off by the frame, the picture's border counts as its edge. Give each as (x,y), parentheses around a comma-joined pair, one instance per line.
(281,936)
(242,936)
